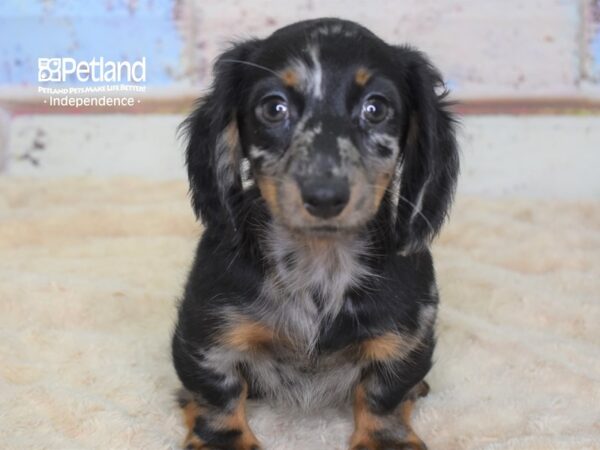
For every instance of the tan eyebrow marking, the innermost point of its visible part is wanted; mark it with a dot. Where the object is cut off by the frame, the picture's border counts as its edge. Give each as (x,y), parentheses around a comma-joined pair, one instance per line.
(289,78)
(362,76)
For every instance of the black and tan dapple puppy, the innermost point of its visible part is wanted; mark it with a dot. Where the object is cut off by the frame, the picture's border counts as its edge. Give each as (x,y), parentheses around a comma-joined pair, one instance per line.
(322,163)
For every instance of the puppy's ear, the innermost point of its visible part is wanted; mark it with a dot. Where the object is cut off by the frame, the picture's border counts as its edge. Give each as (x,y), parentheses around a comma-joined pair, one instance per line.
(213,144)
(429,163)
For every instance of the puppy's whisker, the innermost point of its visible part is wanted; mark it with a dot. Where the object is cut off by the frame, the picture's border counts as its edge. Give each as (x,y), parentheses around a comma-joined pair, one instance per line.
(404,199)
(248,63)
(427,221)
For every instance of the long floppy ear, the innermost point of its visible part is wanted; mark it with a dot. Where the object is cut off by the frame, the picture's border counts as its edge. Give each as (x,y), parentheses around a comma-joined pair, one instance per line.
(213,150)
(429,163)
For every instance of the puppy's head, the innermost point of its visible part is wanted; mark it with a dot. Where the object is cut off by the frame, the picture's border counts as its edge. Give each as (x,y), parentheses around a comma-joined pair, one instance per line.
(333,126)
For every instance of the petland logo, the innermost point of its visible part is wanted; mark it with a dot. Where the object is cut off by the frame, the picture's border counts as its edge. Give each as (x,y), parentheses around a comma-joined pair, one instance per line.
(60,70)
(66,82)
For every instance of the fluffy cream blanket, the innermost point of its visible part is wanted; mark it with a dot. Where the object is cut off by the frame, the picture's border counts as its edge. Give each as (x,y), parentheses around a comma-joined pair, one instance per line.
(90,271)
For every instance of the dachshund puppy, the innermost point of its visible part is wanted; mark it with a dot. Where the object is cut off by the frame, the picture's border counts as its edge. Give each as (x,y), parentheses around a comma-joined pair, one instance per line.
(322,162)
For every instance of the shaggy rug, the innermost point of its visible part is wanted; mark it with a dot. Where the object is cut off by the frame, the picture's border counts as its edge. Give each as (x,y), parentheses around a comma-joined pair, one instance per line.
(90,271)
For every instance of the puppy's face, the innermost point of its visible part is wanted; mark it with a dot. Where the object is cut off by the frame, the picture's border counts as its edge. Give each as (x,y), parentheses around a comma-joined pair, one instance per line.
(336,125)
(322,129)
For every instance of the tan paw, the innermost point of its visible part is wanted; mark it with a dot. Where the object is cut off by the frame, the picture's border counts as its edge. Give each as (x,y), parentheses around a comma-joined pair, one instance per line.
(375,444)
(193,442)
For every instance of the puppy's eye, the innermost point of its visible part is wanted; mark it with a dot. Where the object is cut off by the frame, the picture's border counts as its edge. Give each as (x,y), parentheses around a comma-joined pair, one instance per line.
(375,109)
(273,109)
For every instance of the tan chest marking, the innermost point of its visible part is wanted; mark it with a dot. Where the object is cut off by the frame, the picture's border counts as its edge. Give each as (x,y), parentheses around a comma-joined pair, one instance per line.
(387,347)
(247,335)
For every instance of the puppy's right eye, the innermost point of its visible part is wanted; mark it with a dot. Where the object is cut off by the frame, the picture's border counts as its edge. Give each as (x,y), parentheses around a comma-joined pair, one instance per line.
(375,109)
(273,109)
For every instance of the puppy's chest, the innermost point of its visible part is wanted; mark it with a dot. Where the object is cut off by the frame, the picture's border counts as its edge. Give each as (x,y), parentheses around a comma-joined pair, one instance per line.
(283,370)
(312,356)
(308,286)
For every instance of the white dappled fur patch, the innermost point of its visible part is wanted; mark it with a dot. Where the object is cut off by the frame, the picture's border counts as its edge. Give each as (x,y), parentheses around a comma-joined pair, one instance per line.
(303,270)
(310,76)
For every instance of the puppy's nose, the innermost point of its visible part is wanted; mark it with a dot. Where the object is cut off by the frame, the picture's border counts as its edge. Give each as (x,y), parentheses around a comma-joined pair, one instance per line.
(325,197)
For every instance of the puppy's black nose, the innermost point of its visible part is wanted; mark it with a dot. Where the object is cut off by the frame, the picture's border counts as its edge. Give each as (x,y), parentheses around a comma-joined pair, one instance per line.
(325,197)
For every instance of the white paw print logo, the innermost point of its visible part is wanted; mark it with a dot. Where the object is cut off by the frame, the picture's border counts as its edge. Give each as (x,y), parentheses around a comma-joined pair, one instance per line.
(49,69)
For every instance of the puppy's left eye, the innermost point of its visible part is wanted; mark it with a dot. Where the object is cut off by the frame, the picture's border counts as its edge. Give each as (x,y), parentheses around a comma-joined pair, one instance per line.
(375,109)
(273,109)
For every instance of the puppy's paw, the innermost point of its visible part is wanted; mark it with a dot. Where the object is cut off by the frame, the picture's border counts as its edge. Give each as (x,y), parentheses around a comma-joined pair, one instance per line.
(216,430)
(193,442)
(390,431)
(421,390)
(376,444)
(212,428)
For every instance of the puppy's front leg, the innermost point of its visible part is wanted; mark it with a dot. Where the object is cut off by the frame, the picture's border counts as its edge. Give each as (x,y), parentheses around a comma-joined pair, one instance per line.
(376,430)
(213,402)
(384,399)
(212,427)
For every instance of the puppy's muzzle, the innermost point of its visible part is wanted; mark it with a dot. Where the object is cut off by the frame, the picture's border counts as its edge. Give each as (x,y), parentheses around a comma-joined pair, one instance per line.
(324,197)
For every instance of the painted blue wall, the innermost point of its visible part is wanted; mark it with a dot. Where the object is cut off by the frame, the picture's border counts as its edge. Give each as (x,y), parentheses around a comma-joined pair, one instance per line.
(116,30)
